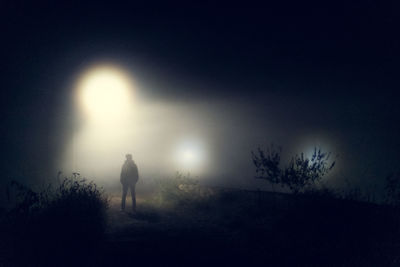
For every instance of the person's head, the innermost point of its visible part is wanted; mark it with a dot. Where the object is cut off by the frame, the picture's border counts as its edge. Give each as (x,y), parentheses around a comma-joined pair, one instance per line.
(128,156)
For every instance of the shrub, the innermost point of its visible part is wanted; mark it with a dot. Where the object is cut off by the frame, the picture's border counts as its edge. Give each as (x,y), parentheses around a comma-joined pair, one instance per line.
(300,173)
(267,164)
(393,189)
(65,222)
(178,190)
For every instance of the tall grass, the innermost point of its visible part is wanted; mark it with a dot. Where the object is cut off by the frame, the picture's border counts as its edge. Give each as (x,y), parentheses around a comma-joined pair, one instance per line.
(179,190)
(56,226)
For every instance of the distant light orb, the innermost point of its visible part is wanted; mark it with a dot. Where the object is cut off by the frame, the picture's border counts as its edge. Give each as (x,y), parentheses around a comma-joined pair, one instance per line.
(104,93)
(190,155)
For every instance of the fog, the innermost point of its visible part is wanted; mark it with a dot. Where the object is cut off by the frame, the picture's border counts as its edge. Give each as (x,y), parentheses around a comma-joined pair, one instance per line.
(177,122)
(209,137)
(163,138)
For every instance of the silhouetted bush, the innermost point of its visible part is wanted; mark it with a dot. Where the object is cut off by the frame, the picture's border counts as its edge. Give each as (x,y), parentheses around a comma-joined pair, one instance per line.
(56,226)
(393,189)
(178,190)
(299,174)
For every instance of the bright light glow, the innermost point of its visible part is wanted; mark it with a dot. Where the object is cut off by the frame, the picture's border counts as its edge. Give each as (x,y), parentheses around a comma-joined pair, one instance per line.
(190,156)
(104,93)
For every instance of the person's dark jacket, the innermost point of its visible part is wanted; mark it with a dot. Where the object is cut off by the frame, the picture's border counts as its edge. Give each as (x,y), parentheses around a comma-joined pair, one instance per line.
(129,173)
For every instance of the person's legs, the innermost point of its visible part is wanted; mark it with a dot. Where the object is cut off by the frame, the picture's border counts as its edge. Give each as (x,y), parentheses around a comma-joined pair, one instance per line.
(124,192)
(133,194)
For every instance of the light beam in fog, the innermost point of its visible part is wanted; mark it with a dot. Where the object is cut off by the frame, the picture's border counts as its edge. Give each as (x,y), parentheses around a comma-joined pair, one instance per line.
(103,98)
(115,120)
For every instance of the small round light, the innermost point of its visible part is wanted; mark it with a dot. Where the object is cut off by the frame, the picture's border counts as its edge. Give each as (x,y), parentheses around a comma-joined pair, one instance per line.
(190,155)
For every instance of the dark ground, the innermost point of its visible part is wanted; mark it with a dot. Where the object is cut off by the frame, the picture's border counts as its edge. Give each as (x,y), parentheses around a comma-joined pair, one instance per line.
(253,228)
(224,227)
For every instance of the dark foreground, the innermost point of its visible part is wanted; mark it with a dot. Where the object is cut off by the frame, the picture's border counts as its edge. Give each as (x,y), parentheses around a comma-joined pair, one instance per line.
(254,229)
(237,228)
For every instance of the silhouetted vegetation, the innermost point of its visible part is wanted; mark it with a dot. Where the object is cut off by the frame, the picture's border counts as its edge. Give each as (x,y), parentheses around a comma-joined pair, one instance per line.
(179,190)
(320,227)
(393,189)
(301,172)
(56,226)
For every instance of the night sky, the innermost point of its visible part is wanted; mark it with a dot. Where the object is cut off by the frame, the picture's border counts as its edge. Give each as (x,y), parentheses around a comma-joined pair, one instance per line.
(278,73)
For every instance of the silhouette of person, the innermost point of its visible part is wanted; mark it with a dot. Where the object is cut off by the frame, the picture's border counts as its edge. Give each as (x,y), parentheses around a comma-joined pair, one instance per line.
(129,178)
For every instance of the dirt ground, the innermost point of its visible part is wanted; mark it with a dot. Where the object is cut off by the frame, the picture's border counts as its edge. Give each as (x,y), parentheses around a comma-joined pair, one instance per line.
(230,232)
(154,237)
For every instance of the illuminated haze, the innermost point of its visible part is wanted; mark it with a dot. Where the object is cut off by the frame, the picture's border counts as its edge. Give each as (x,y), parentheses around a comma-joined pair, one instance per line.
(210,139)
(113,121)
(170,122)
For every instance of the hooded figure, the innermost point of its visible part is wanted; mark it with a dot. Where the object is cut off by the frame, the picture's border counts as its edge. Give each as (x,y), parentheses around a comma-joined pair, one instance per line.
(129,178)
